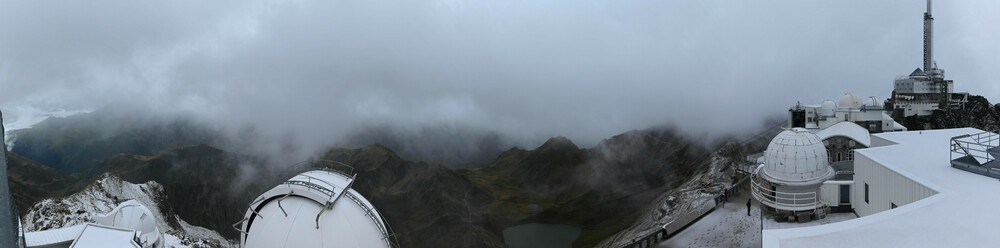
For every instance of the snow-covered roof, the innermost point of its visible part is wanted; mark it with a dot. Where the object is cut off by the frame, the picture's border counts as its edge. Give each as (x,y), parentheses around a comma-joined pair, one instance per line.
(313,209)
(99,236)
(53,237)
(849,130)
(959,215)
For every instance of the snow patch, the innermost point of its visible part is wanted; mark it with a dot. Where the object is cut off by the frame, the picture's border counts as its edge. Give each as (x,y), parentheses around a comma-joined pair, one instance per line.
(102,196)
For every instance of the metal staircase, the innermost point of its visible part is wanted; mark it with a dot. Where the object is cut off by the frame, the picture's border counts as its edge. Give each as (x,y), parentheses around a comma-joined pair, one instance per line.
(977,153)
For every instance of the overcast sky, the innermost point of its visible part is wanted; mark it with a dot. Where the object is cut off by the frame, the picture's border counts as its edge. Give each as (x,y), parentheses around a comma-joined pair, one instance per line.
(526,68)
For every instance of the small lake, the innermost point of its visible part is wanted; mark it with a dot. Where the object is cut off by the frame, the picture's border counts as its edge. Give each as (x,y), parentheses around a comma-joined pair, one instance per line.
(537,235)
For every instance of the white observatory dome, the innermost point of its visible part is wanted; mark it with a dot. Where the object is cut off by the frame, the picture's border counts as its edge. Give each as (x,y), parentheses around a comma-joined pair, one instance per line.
(315,209)
(828,108)
(796,156)
(849,101)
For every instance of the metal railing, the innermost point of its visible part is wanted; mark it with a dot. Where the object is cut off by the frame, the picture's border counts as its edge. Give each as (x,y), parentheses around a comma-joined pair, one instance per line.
(976,146)
(312,186)
(387,234)
(783,200)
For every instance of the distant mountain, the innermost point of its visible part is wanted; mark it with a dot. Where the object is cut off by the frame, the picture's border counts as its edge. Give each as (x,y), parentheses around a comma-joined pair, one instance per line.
(76,143)
(602,189)
(978,113)
(454,147)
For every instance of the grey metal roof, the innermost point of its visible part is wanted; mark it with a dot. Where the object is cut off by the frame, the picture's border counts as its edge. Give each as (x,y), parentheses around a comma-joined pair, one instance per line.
(918,72)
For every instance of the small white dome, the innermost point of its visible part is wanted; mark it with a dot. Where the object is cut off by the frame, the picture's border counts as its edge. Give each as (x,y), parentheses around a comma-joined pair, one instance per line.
(796,155)
(849,101)
(828,108)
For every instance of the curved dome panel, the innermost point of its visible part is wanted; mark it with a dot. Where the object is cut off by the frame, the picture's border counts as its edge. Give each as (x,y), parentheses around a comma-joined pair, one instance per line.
(796,155)
(849,101)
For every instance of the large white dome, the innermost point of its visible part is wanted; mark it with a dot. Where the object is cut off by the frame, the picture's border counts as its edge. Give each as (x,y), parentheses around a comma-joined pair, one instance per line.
(315,209)
(849,101)
(796,156)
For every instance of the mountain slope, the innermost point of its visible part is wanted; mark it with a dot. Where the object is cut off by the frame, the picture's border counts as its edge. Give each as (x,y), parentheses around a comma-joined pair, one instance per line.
(602,189)
(31,182)
(76,143)
(207,186)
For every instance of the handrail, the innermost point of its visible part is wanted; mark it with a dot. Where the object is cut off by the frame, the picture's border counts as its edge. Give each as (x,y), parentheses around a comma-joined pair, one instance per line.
(764,195)
(310,185)
(976,146)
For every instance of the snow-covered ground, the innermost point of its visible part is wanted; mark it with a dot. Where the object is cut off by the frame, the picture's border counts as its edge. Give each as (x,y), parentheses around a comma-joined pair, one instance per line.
(692,196)
(770,223)
(727,226)
(102,196)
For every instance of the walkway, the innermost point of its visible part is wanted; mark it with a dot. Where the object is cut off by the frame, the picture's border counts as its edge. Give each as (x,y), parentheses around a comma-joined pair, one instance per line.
(724,227)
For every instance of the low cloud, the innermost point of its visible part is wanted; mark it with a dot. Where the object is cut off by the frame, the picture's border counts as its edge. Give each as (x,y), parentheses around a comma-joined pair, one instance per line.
(310,72)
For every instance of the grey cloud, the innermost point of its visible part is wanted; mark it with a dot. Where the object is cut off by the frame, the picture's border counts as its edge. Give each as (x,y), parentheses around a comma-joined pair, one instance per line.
(315,70)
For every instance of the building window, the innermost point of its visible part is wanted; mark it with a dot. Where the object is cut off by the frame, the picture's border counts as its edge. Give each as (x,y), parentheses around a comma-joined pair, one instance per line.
(850,154)
(866,193)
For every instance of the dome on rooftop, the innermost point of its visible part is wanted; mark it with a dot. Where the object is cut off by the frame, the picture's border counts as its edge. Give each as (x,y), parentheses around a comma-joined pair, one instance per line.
(796,155)
(849,101)
(828,108)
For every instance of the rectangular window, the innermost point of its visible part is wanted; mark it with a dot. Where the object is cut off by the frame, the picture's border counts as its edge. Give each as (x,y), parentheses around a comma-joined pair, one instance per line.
(866,192)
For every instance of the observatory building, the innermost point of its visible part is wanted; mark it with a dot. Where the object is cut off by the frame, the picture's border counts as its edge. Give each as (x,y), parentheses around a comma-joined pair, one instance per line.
(868,113)
(844,126)
(795,167)
(926,90)
(314,209)
(913,189)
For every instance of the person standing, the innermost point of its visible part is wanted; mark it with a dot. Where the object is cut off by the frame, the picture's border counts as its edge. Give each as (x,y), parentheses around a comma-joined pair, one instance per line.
(748,206)
(727,195)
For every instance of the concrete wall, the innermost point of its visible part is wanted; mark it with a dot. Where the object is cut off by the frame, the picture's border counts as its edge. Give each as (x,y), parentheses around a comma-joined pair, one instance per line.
(829,192)
(885,187)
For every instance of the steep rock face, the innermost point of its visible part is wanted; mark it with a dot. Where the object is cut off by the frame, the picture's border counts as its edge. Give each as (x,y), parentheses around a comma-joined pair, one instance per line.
(102,196)
(978,113)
